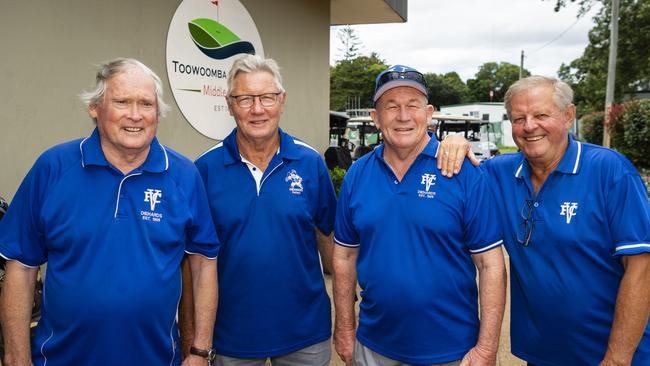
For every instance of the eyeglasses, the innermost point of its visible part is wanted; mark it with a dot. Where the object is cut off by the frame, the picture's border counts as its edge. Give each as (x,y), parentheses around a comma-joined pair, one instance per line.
(247,101)
(525,229)
(397,75)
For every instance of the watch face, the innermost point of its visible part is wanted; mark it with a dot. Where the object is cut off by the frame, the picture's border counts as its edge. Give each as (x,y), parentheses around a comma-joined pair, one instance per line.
(212,354)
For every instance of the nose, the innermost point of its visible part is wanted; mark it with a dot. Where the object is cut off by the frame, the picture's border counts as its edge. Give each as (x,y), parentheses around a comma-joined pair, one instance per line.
(257,107)
(403,114)
(530,124)
(134,112)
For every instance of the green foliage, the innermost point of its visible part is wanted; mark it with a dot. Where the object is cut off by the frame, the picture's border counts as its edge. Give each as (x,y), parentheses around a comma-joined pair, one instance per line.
(446,89)
(631,132)
(495,77)
(507,149)
(337,175)
(591,127)
(588,74)
(354,78)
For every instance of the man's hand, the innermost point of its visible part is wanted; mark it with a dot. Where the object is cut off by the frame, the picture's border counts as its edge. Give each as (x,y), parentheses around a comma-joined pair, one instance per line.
(344,340)
(194,360)
(479,357)
(451,154)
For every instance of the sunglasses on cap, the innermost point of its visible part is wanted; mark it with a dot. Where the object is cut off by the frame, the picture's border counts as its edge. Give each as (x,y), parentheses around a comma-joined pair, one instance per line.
(400,75)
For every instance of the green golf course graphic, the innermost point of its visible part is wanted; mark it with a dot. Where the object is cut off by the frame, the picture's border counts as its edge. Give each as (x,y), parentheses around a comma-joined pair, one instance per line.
(216,41)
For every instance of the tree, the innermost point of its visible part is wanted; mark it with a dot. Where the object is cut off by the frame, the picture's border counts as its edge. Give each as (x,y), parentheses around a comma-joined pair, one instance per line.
(495,77)
(350,42)
(588,74)
(354,78)
(446,89)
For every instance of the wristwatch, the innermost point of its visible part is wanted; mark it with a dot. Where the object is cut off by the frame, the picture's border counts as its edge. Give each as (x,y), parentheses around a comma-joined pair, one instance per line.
(208,354)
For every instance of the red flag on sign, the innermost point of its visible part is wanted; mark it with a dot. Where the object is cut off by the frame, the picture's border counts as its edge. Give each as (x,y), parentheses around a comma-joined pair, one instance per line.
(215,2)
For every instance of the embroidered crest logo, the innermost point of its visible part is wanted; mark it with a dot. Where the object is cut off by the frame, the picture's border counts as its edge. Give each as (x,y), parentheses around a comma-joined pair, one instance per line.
(153,197)
(296,182)
(428,180)
(569,210)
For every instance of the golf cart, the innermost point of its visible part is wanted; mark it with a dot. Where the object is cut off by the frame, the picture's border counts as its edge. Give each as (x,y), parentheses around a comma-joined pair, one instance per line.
(362,136)
(476,131)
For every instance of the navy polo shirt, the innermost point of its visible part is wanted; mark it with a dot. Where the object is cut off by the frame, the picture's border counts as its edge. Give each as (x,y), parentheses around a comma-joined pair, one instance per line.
(416,239)
(113,244)
(590,211)
(272,298)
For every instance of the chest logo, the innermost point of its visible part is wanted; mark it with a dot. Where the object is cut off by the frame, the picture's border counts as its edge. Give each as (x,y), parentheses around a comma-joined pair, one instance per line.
(569,210)
(296,182)
(153,197)
(427,181)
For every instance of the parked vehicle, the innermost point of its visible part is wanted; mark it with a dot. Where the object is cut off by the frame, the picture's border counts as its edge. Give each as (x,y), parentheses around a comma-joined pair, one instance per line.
(473,129)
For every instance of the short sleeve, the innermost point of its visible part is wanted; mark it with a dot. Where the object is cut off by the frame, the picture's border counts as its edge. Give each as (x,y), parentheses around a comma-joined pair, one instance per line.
(326,206)
(628,212)
(21,236)
(201,234)
(482,228)
(344,231)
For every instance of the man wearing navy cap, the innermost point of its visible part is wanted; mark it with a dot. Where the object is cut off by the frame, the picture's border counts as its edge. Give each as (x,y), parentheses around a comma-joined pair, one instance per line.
(112,215)
(273,206)
(576,222)
(415,239)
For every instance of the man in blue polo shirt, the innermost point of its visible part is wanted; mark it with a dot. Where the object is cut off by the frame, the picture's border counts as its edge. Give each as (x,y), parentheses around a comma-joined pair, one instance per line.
(273,206)
(112,215)
(576,222)
(415,241)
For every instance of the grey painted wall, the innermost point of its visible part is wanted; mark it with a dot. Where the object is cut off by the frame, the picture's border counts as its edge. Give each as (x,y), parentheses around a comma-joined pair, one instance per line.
(50,49)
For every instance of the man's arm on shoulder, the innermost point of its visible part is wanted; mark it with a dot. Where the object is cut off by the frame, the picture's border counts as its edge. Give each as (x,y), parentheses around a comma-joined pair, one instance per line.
(204,288)
(16,312)
(452,152)
(344,288)
(492,295)
(632,310)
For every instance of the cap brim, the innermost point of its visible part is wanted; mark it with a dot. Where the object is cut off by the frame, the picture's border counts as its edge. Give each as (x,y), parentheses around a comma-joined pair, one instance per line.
(397,83)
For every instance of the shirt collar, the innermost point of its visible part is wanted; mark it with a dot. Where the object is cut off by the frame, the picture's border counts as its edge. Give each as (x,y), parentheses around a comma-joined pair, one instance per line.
(91,154)
(430,150)
(288,148)
(570,163)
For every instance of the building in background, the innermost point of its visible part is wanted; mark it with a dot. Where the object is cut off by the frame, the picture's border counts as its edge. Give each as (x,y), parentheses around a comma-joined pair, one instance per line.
(51,49)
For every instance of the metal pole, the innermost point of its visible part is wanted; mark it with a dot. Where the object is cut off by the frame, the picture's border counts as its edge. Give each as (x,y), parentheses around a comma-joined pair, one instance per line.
(521,65)
(611,72)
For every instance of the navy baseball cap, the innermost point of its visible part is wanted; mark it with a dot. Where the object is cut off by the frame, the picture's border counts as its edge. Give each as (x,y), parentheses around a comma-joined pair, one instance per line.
(399,75)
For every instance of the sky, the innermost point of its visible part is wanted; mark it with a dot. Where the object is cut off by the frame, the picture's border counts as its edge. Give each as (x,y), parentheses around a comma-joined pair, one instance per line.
(462,35)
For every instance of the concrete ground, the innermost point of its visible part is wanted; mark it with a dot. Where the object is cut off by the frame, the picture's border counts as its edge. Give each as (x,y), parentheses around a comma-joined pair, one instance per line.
(504,357)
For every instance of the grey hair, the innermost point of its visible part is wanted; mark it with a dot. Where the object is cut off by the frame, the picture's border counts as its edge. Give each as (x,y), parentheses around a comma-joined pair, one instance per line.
(117,66)
(255,63)
(562,92)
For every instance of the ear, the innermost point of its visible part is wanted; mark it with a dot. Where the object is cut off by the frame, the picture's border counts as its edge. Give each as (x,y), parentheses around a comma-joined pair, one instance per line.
(430,110)
(375,118)
(92,111)
(283,99)
(570,115)
(229,105)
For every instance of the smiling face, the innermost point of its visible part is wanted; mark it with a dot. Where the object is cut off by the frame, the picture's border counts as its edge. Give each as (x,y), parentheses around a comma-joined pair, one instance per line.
(127,116)
(539,127)
(402,114)
(256,123)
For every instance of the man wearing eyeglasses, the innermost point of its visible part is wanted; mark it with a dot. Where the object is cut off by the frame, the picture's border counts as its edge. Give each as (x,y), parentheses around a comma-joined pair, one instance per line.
(576,225)
(415,239)
(273,205)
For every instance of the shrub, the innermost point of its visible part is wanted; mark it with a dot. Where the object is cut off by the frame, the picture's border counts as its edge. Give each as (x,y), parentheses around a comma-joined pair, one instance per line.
(591,127)
(337,175)
(631,132)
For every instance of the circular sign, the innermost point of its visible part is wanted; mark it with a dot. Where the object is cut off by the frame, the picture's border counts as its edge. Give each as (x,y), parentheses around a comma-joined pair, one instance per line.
(204,38)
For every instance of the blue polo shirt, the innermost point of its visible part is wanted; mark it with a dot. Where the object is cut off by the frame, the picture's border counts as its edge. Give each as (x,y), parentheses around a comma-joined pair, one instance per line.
(416,239)
(590,211)
(113,244)
(272,298)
